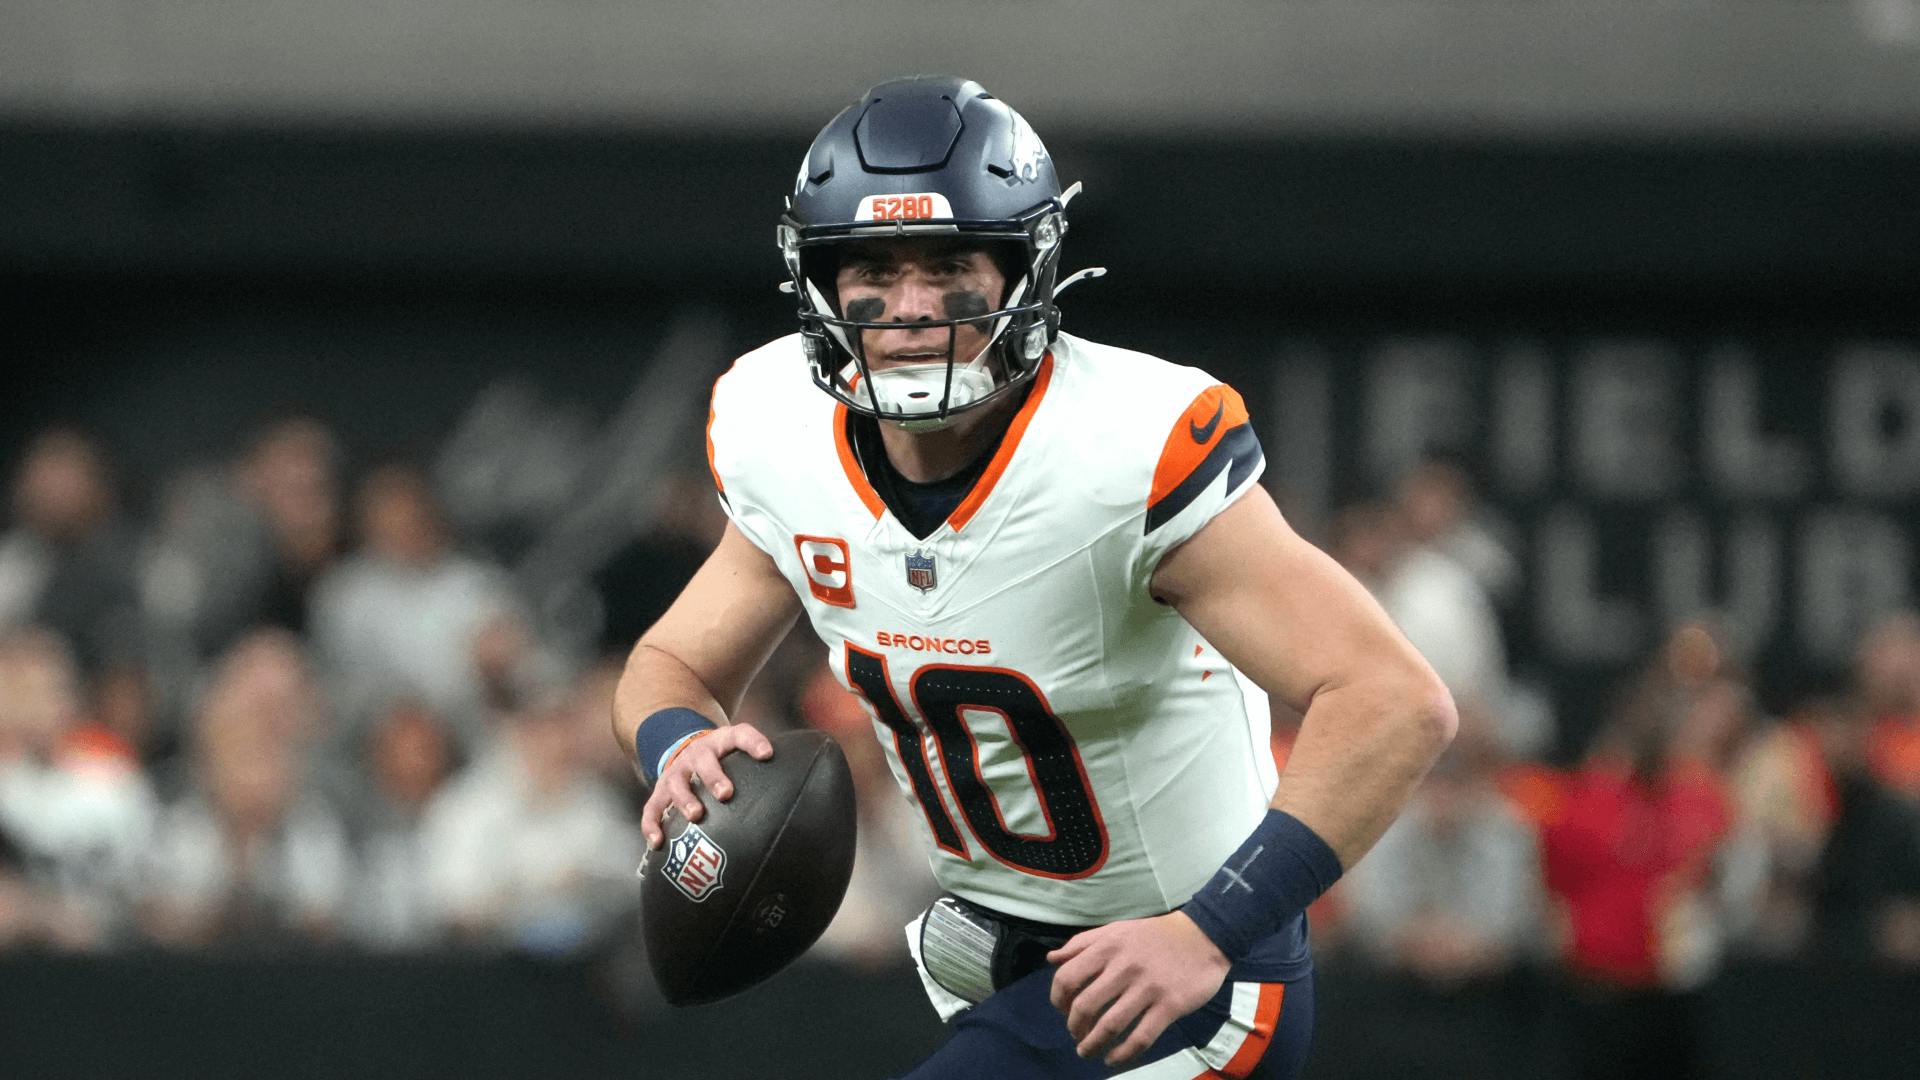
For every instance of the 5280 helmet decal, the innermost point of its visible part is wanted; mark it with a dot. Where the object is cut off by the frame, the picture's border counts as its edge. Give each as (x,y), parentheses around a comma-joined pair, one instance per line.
(928,155)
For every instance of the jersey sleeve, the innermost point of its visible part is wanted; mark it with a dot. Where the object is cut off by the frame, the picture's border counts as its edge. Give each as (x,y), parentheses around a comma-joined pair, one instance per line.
(1207,460)
(730,430)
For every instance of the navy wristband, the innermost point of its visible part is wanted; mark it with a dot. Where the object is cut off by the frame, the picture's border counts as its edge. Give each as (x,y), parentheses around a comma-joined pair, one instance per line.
(1276,873)
(661,733)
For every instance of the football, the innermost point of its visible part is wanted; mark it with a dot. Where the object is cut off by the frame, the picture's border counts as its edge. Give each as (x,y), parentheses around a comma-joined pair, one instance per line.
(727,902)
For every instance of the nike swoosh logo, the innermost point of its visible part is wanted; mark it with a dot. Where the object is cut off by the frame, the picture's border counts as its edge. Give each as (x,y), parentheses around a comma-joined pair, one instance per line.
(1202,434)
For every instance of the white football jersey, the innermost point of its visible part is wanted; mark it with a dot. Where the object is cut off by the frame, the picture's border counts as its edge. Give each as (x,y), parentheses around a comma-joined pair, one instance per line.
(1079,753)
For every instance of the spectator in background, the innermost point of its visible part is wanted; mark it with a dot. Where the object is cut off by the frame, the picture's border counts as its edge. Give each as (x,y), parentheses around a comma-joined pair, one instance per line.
(240,547)
(20,903)
(642,579)
(236,547)
(121,704)
(892,882)
(1631,860)
(402,616)
(291,479)
(530,849)
(1441,609)
(408,757)
(1452,893)
(1784,788)
(1887,672)
(1451,901)
(604,757)
(1864,884)
(67,563)
(250,854)
(268,675)
(1844,849)
(1436,502)
(196,573)
(73,804)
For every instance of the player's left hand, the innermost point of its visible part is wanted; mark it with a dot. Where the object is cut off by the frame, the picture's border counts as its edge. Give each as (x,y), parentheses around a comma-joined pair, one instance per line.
(1141,974)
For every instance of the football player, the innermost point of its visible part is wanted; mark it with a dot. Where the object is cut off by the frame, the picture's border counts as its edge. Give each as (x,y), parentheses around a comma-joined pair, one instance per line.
(1048,569)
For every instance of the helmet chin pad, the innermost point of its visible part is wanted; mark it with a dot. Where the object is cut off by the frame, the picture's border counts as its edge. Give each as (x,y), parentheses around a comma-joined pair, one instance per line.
(916,393)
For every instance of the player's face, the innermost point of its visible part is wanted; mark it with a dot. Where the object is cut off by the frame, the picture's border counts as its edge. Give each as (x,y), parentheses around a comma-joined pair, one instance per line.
(914,280)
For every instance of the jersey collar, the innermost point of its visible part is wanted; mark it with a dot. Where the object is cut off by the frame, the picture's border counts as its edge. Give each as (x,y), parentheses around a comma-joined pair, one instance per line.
(1002,457)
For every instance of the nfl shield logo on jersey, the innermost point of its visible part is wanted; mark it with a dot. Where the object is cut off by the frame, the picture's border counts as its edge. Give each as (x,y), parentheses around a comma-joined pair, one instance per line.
(920,571)
(694,863)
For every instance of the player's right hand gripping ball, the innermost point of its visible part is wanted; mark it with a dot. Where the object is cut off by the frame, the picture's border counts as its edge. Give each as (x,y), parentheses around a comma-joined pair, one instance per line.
(730,901)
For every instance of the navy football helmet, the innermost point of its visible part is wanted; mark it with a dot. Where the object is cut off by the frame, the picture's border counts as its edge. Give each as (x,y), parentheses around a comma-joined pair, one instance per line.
(915,156)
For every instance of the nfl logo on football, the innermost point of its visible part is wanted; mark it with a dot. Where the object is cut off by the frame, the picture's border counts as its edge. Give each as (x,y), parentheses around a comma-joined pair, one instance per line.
(694,863)
(920,571)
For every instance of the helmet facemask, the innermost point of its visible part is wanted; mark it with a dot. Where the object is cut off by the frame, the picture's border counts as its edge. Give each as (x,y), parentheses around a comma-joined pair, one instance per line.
(929,395)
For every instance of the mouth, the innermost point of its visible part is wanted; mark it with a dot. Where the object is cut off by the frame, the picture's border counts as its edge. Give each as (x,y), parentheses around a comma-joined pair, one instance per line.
(913,356)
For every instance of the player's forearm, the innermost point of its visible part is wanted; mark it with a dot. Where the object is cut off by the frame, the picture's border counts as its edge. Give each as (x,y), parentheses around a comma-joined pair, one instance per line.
(711,642)
(655,679)
(1361,751)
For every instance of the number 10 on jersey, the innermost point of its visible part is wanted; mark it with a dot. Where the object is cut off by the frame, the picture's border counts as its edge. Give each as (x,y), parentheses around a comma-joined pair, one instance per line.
(1075,843)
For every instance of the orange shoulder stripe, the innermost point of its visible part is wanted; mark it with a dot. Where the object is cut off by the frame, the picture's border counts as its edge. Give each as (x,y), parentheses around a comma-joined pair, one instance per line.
(713,404)
(1215,412)
(719,485)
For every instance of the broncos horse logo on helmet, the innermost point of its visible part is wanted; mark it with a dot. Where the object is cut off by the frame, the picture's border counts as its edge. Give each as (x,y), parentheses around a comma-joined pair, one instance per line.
(928,155)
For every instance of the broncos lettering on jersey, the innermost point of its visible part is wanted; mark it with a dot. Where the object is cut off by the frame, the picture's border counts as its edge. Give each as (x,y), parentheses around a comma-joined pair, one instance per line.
(1079,753)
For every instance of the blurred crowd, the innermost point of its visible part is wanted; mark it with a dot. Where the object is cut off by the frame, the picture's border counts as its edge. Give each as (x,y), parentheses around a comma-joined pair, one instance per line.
(288,706)
(1690,829)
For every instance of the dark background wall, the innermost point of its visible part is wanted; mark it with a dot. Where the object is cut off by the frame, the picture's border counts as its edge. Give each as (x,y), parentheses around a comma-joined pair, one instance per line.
(485,1018)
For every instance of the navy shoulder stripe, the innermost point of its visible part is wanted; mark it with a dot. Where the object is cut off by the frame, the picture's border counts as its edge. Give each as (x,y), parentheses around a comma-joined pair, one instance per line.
(1238,452)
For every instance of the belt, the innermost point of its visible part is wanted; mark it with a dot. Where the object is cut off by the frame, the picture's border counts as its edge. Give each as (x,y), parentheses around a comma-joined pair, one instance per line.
(972,950)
